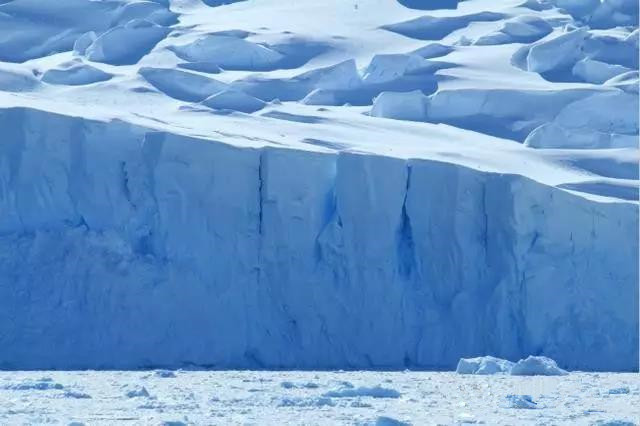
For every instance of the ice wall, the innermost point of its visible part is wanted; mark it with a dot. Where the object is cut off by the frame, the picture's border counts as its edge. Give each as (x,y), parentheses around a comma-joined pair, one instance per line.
(122,247)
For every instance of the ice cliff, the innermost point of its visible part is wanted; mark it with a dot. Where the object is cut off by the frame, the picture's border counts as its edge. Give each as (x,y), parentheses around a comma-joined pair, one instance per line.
(321,193)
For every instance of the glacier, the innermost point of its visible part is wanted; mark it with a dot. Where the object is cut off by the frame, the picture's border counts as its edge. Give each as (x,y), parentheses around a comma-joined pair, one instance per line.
(176,251)
(317,195)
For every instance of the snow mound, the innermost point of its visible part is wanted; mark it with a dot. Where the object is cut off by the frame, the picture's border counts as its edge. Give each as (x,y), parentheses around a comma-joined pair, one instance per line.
(230,53)
(373,392)
(401,106)
(75,74)
(436,28)
(581,124)
(483,365)
(521,29)
(126,44)
(182,85)
(521,402)
(234,100)
(537,366)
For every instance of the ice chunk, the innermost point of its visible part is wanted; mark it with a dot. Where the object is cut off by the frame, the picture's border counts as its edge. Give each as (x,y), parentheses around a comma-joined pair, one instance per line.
(208,67)
(306,402)
(165,374)
(374,392)
(578,8)
(401,105)
(390,421)
(75,74)
(581,124)
(537,366)
(234,100)
(613,50)
(619,391)
(483,365)
(41,384)
(384,68)
(433,50)
(521,401)
(558,53)
(137,392)
(521,29)
(343,75)
(323,97)
(182,85)
(627,82)
(429,5)
(597,72)
(126,44)
(230,53)
(83,42)
(614,13)
(151,11)
(76,395)
(437,27)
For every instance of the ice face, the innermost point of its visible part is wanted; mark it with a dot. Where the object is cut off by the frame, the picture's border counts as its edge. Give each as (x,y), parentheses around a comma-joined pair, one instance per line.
(276,257)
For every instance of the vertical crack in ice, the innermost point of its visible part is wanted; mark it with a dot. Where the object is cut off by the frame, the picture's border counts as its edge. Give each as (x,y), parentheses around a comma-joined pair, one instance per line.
(261,191)
(406,246)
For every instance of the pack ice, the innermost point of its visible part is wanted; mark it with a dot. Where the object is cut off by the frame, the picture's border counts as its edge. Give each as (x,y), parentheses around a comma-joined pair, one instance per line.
(334,184)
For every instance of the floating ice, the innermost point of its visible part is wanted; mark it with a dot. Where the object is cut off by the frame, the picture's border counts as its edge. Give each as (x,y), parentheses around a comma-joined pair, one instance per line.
(483,365)
(537,366)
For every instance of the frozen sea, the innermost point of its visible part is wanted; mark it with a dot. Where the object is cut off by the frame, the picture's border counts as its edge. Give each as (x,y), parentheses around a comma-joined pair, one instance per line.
(182,397)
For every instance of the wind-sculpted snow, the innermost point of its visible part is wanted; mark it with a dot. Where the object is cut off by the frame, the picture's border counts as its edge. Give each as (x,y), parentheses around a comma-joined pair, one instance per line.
(267,184)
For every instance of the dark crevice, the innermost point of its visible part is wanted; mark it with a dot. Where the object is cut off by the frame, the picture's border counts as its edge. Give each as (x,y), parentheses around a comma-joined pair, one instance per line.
(406,245)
